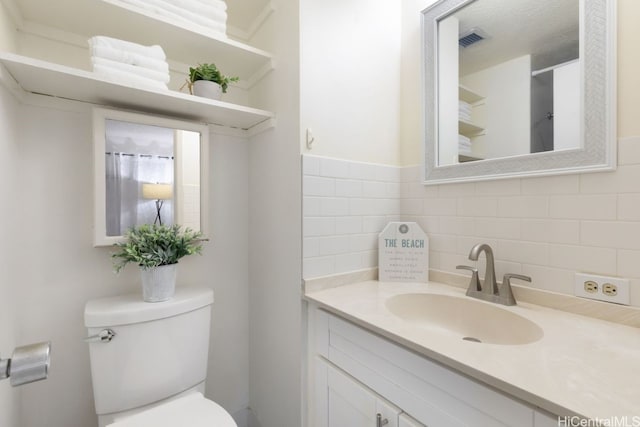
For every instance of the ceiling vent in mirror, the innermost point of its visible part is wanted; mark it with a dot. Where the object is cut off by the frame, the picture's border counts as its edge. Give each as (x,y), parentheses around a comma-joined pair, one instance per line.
(474,35)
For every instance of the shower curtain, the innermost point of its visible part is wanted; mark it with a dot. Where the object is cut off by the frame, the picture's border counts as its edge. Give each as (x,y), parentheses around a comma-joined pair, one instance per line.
(125,174)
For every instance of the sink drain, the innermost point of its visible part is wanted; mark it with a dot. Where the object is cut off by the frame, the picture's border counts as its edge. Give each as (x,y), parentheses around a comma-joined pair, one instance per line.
(472,339)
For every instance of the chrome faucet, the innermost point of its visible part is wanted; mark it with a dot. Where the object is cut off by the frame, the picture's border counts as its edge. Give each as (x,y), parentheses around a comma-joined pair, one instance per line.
(489,289)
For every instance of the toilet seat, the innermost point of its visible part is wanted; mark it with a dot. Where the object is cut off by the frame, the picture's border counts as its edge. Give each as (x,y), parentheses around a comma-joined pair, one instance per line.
(193,410)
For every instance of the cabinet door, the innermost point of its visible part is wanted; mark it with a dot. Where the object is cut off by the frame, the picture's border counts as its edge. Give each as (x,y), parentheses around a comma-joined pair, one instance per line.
(541,419)
(407,421)
(352,404)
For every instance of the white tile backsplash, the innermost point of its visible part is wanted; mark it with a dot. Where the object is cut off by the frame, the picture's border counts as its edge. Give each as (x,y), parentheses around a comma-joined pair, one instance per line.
(583,206)
(545,227)
(628,151)
(610,234)
(563,184)
(346,205)
(629,206)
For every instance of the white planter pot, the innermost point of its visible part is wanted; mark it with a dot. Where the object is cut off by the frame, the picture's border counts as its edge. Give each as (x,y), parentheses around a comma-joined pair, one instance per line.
(159,283)
(207,89)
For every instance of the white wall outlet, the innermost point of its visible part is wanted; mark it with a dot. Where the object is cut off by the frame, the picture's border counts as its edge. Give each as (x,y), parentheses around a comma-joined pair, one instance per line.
(603,288)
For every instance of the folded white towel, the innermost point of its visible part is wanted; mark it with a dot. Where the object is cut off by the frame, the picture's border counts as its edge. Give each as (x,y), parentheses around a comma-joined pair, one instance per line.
(164,9)
(464,140)
(132,69)
(219,4)
(131,58)
(200,8)
(154,51)
(123,77)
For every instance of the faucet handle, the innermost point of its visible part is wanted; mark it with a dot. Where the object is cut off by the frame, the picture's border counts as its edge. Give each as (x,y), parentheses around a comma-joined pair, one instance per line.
(506,293)
(506,281)
(474,284)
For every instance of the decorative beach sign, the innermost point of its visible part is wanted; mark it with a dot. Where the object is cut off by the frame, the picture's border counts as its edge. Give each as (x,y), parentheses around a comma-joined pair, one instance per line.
(403,253)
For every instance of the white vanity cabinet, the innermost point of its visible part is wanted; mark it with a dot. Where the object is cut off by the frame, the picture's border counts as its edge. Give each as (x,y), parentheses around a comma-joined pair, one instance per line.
(349,403)
(352,366)
(541,419)
(406,421)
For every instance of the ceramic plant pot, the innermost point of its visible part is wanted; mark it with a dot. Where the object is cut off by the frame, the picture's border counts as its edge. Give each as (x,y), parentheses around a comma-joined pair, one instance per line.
(207,89)
(159,283)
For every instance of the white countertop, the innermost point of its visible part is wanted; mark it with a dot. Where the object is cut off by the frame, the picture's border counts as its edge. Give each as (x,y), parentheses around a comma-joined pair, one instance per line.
(581,366)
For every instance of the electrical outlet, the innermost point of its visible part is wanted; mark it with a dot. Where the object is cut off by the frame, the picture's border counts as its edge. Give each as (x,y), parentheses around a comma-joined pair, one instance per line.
(602,288)
(591,287)
(610,289)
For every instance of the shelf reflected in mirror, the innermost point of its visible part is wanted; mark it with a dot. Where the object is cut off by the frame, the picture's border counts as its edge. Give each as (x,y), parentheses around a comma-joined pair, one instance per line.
(518,88)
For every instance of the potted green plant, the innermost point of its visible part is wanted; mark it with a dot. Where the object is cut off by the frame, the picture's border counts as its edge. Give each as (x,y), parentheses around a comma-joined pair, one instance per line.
(207,80)
(157,249)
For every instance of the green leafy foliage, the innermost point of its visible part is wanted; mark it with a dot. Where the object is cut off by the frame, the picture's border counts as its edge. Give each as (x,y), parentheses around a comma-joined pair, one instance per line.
(211,73)
(153,245)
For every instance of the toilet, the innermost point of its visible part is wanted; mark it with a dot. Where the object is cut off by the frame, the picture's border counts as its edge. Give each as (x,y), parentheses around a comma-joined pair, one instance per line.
(149,360)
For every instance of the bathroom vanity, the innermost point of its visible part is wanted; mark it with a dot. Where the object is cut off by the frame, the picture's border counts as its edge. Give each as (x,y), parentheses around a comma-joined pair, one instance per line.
(368,364)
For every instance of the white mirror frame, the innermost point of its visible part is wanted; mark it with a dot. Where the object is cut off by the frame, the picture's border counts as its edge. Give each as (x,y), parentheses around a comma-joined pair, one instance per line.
(598,71)
(100,115)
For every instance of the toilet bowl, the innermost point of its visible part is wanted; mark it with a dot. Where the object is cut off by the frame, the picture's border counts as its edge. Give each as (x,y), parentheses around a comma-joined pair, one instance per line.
(149,360)
(192,410)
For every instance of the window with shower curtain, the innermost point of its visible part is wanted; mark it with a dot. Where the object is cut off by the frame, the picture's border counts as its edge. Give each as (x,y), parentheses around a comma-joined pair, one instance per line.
(136,155)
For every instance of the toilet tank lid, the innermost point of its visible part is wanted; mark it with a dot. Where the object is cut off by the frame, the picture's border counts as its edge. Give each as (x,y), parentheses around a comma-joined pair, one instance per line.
(130,308)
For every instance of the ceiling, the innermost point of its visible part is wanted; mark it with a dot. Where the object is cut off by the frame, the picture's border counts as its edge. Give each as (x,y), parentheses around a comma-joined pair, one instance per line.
(548,30)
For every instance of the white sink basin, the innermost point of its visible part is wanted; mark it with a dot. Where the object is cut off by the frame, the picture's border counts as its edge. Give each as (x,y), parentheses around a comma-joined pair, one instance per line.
(466,318)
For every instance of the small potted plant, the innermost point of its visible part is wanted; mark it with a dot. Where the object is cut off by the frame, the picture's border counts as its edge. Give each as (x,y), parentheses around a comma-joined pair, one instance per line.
(207,81)
(157,249)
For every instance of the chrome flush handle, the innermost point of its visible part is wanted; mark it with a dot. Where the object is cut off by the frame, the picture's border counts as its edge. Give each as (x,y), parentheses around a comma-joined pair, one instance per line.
(105,335)
(380,422)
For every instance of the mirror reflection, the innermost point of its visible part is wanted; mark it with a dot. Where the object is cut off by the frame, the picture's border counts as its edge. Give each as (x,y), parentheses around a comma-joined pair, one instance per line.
(509,80)
(149,170)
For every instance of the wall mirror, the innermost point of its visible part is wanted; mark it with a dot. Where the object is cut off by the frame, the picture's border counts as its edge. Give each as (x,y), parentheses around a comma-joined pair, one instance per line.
(518,88)
(148,170)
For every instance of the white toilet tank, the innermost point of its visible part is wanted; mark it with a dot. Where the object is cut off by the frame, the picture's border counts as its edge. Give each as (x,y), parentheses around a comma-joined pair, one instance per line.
(159,349)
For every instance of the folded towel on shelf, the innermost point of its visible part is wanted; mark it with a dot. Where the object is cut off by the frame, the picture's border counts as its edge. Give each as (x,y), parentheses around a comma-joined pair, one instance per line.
(464,111)
(212,12)
(167,10)
(122,77)
(464,117)
(162,77)
(218,4)
(154,51)
(131,58)
(464,140)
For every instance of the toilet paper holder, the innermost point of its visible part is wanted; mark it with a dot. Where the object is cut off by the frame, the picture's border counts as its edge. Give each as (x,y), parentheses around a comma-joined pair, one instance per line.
(28,363)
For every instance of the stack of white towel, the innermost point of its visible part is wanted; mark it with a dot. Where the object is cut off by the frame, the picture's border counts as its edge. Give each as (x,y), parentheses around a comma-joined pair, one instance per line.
(126,62)
(208,15)
(464,145)
(464,111)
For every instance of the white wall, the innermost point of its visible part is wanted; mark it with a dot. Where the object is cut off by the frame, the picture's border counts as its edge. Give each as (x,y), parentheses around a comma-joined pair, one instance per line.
(350,78)
(7,30)
(10,279)
(345,205)
(546,227)
(275,232)
(448,72)
(566,106)
(506,109)
(58,270)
